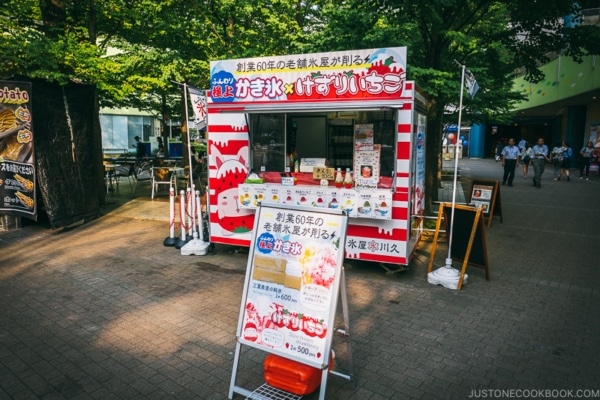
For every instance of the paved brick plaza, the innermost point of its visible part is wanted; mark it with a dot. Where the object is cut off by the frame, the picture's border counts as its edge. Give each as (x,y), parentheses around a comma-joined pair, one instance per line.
(105,311)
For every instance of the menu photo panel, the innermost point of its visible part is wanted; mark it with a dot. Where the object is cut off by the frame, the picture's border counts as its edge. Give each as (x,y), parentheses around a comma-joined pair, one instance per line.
(292,282)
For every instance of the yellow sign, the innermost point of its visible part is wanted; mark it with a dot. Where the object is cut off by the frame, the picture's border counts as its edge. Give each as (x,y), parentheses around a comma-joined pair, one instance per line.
(323,173)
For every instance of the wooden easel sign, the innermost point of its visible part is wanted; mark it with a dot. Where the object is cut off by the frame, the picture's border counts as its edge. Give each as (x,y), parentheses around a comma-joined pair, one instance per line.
(468,237)
(485,194)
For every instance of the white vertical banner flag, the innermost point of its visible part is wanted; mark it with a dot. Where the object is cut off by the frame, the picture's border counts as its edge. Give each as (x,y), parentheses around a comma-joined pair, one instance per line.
(471,83)
(198,100)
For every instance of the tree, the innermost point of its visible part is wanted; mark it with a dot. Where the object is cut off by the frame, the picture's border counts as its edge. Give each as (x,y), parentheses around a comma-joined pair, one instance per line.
(135,51)
(492,38)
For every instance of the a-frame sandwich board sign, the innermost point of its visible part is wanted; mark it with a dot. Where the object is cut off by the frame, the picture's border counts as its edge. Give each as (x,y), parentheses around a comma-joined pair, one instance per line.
(292,284)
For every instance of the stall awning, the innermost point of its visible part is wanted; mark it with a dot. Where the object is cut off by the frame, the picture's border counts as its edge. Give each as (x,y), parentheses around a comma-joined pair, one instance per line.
(306,107)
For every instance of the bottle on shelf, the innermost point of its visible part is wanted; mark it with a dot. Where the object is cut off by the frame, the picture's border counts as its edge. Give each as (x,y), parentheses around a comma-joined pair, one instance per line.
(339,179)
(348,179)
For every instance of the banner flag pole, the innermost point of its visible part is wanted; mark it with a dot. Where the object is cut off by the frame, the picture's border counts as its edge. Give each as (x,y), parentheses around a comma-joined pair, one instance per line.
(448,276)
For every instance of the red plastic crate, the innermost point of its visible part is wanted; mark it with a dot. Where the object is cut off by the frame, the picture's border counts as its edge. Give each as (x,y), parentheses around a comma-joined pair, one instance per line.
(291,376)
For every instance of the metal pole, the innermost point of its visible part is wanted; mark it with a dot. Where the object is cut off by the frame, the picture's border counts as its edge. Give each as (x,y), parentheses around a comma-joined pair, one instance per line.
(462,86)
(185,95)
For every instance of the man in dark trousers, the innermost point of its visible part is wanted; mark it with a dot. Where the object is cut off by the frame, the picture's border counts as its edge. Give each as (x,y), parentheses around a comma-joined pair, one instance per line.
(140,148)
(538,159)
(510,158)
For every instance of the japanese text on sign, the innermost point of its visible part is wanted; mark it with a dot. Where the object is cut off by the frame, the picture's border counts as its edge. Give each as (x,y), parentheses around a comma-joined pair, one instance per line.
(292,283)
(366,74)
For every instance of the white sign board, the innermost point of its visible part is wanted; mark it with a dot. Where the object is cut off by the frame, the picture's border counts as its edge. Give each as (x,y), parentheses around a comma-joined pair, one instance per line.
(292,282)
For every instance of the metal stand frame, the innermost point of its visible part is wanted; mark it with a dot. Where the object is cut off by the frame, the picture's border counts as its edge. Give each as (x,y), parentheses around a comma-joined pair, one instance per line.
(393,268)
(265,391)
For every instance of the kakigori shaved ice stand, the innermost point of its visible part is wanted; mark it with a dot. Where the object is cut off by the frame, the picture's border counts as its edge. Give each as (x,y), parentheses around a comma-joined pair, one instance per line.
(341,130)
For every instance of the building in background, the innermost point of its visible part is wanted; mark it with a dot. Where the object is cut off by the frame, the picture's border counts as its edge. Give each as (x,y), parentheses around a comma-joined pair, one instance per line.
(121,126)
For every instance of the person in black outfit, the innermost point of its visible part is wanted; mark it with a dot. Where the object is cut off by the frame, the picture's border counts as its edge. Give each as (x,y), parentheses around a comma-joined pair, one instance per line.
(161,147)
(499,146)
(140,148)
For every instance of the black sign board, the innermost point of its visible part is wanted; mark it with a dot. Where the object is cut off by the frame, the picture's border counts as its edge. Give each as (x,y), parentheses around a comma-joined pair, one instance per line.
(17,169)
(468,237)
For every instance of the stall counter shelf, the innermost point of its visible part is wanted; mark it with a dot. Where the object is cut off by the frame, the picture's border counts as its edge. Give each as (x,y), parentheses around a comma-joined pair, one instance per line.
(357,202)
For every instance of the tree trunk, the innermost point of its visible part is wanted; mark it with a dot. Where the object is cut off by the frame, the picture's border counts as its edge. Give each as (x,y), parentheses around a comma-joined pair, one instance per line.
(433,146)
(185,137)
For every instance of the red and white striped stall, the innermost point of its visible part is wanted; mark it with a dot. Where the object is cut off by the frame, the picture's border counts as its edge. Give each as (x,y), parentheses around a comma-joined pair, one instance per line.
(299,116)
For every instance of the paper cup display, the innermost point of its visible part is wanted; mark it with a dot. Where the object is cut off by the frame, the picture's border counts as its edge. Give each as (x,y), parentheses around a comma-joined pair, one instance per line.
(365,208)
(348,203)
(245,199)
(273,196)
(320,199)
(382,209)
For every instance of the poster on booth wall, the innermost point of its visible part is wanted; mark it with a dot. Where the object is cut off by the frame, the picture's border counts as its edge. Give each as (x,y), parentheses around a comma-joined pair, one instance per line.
(419,167)
(363,135)
(292,282)
(366,167)
(17,169)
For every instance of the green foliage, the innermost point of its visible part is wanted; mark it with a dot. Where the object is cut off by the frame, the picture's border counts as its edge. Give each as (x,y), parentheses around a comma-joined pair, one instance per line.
(492,38)
(134,50)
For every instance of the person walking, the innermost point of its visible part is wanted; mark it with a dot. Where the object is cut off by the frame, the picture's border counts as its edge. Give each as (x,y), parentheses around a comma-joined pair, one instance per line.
(567,159)
(499,146)
(526,158)
(538,159)
(557,159)
(161,147)
(140,148)
(510,157)
(587,152)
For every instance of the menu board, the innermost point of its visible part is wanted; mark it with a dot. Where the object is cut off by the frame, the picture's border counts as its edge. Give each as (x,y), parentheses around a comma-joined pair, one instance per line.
(324,173)
(481,197)
(17,169)
(356,202)
(292,282)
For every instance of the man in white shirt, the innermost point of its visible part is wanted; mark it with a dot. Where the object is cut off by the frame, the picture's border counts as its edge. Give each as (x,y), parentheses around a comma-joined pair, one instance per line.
(510,157)
(539,157)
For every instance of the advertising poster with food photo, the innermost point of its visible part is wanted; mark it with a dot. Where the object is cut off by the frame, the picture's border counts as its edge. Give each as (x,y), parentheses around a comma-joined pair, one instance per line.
(363,134)
(292,282)
(17,171)
(366,167)
(418,150)
(481,197)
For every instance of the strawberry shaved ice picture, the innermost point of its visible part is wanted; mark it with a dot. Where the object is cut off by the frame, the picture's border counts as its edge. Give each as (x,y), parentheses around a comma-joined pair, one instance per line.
(319,268)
